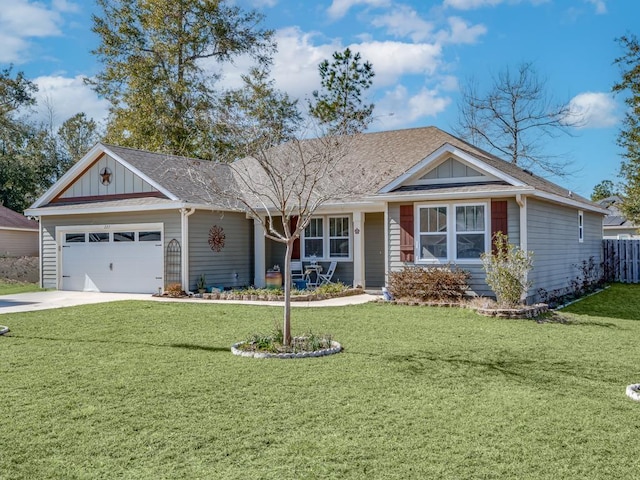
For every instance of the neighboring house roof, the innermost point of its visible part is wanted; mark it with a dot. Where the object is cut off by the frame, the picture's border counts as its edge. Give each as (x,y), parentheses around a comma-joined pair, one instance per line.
(385,159)
(615,217)
(15,221)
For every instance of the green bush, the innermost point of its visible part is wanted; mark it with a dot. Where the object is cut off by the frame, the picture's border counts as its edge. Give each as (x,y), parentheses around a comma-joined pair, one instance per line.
(507,269)
(429,284)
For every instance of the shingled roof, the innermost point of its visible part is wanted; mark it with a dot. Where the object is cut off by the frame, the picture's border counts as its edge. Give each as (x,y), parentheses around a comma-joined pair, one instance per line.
(395,152)
(188,179)
(11,219)
(389,154)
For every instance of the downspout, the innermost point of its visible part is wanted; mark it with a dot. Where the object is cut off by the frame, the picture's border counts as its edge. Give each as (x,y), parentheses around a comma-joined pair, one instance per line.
(522,203)
(185,246)
(40,249)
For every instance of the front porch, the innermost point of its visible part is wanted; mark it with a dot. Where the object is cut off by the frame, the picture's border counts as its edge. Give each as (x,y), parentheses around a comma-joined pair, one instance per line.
(359,250)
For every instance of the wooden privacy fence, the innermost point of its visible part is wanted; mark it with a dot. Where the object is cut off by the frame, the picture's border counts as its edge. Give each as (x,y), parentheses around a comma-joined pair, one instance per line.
(622,260)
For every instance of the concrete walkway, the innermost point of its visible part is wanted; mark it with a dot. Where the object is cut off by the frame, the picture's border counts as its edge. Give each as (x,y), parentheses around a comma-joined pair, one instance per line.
(27,302)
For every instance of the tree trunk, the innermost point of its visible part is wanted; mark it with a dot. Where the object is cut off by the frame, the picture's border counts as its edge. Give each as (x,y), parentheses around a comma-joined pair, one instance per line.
(286,325)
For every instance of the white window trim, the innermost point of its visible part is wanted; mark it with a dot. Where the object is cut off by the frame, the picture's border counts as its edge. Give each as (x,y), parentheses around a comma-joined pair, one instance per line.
(451,233)
(325,241)
(580,226)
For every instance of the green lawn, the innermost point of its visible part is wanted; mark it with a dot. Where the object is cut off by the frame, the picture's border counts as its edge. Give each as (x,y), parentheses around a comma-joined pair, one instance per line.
(9,288)
(150,390)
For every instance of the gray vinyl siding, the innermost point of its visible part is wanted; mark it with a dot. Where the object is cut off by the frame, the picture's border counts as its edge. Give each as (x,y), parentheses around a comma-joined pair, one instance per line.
(553,238)
(233,266)
(513,221)
(18,243)
(477,283)
(170,220)
(374,252)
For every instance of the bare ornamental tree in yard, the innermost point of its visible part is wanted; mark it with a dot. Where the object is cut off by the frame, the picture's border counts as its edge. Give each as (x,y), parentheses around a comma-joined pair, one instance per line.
(285,177)
(282,187)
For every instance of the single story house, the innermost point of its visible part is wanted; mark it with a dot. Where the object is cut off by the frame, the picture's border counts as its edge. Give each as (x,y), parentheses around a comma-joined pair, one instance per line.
(18,234)
(125,220)
(616,226)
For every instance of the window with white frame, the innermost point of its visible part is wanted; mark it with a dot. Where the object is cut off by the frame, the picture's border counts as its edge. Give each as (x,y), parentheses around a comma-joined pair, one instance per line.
(314,238)
(470,231)
(432,231)
(327,237)
(580,226)
(338,237)
(452,232)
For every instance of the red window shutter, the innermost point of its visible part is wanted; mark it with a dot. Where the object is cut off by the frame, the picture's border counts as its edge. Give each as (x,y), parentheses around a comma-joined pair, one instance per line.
(295,255)
(498,218)
(406,233)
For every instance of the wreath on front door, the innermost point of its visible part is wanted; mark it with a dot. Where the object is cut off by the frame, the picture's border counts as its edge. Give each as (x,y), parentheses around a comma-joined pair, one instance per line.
(216,238)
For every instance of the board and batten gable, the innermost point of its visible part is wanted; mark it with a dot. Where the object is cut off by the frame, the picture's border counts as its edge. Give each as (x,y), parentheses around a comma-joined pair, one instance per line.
(558,254)
(232,266)
(121,181)
(170,219)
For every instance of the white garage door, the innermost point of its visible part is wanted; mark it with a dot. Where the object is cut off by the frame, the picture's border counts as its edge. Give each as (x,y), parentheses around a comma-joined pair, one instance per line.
(107,259)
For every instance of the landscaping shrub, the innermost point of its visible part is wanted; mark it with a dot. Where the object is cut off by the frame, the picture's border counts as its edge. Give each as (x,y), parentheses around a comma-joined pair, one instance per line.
(429,284)
(507,269)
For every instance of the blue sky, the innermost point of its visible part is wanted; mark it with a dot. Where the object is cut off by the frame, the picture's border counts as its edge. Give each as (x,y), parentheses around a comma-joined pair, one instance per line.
(421,52)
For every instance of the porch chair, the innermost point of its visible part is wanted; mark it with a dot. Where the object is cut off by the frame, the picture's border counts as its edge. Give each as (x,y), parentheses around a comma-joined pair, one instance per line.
(326,277)
(297,273)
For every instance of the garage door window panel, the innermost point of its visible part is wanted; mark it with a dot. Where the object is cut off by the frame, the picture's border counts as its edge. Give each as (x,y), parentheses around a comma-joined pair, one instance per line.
(124,236)
(75,238)
(99,237)
(149,236)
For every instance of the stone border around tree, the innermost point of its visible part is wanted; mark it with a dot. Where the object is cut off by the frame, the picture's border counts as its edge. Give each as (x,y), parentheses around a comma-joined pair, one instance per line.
(526,311)
(3,329)
(335,348)
(633,392)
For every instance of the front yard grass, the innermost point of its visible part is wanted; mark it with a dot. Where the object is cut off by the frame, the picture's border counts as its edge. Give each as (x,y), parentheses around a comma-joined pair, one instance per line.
(151,390)
(9,288)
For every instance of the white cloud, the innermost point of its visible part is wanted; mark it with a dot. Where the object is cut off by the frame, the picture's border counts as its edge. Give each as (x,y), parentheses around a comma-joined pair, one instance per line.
(392,60)
(471,4)
(65,6)
(339,8)
(264,3)
(399,108)
(295,65)
(461,32)
(21,20)
(67,96)
(405,22)
(593,110)
(601,6)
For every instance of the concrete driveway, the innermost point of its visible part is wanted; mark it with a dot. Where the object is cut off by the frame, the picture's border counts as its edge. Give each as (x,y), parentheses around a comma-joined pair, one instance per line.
(27,302)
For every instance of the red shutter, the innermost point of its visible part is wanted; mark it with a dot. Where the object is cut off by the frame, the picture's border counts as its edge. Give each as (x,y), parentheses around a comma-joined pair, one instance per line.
(293,222)
(498,218)
(406,233)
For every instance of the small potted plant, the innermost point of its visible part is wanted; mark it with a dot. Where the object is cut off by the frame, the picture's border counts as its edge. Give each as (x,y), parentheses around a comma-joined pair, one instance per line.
(202,284)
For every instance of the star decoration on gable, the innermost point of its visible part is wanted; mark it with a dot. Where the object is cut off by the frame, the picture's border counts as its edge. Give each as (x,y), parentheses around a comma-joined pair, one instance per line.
(105,175)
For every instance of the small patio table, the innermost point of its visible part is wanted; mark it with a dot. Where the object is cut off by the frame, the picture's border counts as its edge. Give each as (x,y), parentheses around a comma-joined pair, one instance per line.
(313,270)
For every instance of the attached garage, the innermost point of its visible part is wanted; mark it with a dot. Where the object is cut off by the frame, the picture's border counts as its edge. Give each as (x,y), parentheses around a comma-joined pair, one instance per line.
(111,258)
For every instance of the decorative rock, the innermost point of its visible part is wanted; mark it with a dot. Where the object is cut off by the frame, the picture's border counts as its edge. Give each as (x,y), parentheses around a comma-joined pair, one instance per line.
(335,348)
(633,392)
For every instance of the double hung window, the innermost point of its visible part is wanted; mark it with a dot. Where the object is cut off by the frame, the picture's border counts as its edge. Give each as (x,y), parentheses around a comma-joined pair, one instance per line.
(327,237)
(451,232)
